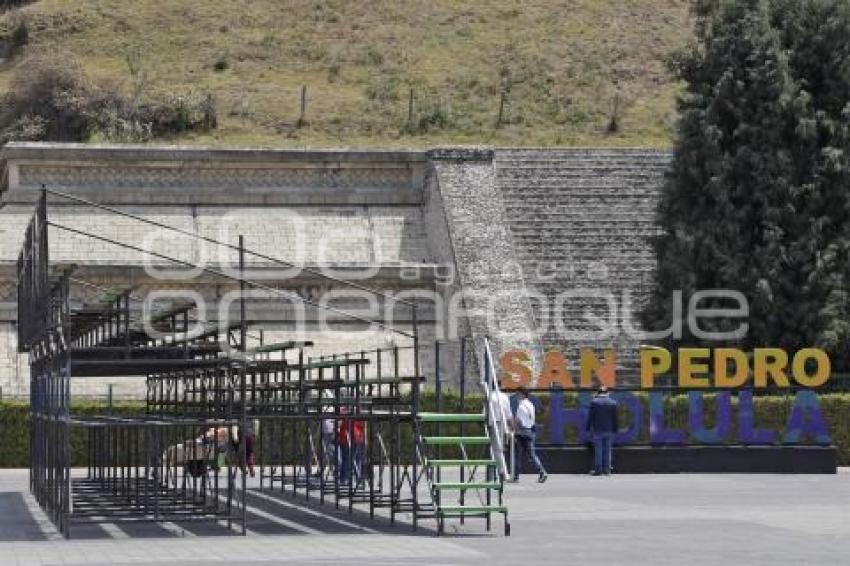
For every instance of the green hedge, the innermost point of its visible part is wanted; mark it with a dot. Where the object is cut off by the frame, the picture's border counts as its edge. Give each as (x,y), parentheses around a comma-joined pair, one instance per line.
(14,435)
(770,411)
(15,429)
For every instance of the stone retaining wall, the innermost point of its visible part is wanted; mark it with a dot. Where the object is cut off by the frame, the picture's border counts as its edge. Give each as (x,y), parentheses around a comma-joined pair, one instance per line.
(506,234)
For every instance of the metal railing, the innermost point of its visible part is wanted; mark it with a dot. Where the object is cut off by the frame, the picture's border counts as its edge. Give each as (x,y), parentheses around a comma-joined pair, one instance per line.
(498,419)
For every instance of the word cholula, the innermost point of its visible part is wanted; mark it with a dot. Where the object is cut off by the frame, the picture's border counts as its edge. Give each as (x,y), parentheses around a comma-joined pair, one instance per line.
(733,369)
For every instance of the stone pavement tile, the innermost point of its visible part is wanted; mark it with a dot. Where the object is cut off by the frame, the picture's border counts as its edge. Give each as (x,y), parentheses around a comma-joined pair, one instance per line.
(334,548)
(659,520)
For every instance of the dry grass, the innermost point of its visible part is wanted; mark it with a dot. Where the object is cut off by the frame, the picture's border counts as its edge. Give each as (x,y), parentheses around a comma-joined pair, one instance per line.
(562,62)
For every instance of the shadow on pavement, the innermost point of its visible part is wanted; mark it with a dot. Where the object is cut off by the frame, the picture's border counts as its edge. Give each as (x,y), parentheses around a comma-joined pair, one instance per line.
(269,514)
(17,523)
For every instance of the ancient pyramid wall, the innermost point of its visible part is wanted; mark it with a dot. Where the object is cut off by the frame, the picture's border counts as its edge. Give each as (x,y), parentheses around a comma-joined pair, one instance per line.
(562,237)
(529,236)
(582,222)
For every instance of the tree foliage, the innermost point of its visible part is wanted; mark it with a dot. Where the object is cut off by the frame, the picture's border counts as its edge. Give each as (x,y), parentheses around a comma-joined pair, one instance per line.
(10,4)
(49,98)
(758,196)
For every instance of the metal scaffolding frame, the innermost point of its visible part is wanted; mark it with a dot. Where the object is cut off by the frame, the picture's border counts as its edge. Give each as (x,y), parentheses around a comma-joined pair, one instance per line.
(210,396)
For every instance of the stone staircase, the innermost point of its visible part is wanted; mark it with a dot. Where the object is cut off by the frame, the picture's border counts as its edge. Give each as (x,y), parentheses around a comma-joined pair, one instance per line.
(482,247)
(583,219)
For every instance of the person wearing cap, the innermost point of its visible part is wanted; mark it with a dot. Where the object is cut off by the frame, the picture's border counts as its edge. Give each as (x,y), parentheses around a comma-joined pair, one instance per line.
(602,426)
(524,435)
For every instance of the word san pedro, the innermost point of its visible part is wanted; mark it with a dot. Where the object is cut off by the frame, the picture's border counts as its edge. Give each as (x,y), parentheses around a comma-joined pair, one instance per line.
(698,371)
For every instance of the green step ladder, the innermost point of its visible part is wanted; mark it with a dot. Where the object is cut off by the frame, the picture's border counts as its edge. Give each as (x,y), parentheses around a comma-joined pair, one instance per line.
(467,468)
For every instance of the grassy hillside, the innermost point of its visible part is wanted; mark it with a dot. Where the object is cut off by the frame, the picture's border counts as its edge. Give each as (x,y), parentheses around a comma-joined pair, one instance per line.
(561,63)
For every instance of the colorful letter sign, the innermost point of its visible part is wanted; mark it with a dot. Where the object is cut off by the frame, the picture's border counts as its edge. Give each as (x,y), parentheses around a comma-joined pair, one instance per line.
(724,379)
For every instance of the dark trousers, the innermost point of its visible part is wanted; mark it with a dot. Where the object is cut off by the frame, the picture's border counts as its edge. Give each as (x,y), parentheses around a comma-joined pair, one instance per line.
(603,445)
(249,449)
(526,451)
(351,460)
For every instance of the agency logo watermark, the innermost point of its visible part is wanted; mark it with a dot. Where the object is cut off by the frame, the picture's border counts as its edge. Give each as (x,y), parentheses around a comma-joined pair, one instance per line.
(585,310)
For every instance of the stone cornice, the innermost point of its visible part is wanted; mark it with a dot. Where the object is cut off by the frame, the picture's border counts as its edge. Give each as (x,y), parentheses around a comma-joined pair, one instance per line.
(185,154)
(118,174)
(461,154)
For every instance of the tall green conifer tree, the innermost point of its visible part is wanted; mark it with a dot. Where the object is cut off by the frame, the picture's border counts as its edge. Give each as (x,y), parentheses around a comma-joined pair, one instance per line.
(758,195)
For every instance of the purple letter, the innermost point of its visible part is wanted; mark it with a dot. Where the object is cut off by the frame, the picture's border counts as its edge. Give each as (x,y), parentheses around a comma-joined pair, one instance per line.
(632,403)
(799,426)
(657,433)
(559,416)
(747,432)
(722,420)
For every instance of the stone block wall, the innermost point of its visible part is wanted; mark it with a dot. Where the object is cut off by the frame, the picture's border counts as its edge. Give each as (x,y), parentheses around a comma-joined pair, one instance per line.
(355,215)
(512,233)
(14,369)
(366,235)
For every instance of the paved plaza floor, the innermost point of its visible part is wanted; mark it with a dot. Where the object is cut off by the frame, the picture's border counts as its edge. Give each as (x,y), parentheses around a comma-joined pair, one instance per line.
(570,520)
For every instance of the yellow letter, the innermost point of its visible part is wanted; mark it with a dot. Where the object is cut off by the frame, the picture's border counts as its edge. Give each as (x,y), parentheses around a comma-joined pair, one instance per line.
(515,371)
(652,362)
(555,371)
(821,373)
(607,372)
(722,357)
(770,362)
(689,365)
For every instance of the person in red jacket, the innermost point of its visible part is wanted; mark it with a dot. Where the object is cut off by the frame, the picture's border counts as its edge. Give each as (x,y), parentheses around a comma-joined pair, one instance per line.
(351,442)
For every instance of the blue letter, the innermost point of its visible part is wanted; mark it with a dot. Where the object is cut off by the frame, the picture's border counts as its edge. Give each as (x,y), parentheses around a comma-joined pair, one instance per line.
(657,433)
(799,426)
(746,422)
(722,420)
(559,416)
(632,403)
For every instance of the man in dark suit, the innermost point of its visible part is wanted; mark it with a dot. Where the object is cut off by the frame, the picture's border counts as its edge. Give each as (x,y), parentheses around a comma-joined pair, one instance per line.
(602,425)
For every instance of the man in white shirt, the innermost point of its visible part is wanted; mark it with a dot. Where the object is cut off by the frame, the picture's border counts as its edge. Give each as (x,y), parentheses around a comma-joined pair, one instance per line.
(526,428)
(501,407)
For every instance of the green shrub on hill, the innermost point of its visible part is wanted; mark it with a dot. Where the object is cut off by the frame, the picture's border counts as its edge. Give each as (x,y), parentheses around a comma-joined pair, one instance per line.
(10,4)
(51,98)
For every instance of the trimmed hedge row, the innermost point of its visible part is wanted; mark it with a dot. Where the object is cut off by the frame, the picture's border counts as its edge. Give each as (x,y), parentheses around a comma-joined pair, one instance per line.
(771,412)
(15,429)
(14,435)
